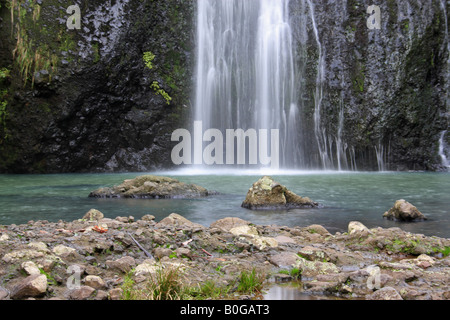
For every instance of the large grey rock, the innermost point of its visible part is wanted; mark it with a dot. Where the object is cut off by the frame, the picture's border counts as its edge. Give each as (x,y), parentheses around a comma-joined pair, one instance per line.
(404,211)
(268,194)
(151,187)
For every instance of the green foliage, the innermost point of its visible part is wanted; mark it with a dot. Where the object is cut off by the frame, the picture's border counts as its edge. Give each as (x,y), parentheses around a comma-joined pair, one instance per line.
(251,282)
(444,251)
(165,284)
(32,52)
(148,60)
(4,73)
(208,290)
(155,86)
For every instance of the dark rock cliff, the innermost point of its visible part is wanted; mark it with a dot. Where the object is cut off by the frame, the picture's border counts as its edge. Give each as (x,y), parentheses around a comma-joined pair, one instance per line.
(81,100)
(383,92)
(93,108)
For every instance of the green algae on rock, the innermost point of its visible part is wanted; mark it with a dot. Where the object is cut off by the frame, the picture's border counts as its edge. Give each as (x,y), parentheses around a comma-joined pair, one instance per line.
(268,194)
(152,187)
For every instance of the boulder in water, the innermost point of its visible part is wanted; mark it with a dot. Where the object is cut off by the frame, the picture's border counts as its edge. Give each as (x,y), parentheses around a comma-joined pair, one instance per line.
(404,211)
(266,194)
(152,187)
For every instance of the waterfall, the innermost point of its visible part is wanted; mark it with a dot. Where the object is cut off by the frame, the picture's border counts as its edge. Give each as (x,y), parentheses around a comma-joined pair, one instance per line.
(381,160)
(319,131)
(442,154)
(245,77)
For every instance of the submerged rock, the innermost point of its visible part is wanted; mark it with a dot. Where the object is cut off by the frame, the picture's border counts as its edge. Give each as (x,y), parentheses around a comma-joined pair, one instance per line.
(268,194)
(151,187)
(404,211)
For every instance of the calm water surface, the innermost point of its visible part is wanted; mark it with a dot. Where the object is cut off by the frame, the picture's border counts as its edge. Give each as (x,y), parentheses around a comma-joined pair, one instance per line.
(345,196)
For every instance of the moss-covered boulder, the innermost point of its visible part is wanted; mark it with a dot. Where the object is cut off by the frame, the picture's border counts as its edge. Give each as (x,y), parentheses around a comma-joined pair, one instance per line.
(151,187)
(268,194)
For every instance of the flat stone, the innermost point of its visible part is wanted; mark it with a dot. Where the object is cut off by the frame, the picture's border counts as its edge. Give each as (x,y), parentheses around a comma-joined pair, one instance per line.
(95,282)
(124,264)
(386,293)
(82,293)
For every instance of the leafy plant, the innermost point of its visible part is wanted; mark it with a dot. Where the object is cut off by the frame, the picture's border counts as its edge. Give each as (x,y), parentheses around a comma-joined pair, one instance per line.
(251,282)
(155,86)
(165,284)
(148,58)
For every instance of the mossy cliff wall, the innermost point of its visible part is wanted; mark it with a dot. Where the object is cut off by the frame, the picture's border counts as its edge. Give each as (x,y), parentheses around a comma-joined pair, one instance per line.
(88,105)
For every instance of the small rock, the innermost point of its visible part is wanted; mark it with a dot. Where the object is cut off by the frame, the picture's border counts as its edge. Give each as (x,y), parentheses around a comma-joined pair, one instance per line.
(386,293)
(4,237)
(161,252)
(284,259)
(315,228)
(148,217)
(229,223)
(244,230)
(124,264)
(93,215)
(32,286)
(357,227)
(101,295)
(177,220)
(18,255)
(82,293)
(41,246)
(148,267)
(183,252)
(115,294)
(284,240)
(30,268)
(95,282)
(4,294)
(64,251)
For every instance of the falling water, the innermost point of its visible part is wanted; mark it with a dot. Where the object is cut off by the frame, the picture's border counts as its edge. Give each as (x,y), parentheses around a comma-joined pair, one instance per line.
(245,70)
(319,131)
(445,161)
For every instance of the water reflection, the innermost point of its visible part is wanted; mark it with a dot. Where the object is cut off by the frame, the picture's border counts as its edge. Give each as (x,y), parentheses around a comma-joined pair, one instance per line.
(291,292)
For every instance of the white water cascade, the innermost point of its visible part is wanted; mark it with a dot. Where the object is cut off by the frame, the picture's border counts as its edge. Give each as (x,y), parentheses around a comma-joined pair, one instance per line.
(245,70)
(442,154)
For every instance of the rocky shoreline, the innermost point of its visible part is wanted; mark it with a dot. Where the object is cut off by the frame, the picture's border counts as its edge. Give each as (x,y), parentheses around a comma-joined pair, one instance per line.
(97,258)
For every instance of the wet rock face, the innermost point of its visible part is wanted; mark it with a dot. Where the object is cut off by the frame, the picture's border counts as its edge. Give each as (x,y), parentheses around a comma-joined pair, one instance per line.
(151,187)
(385,89)
(266,194)
(97,111)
